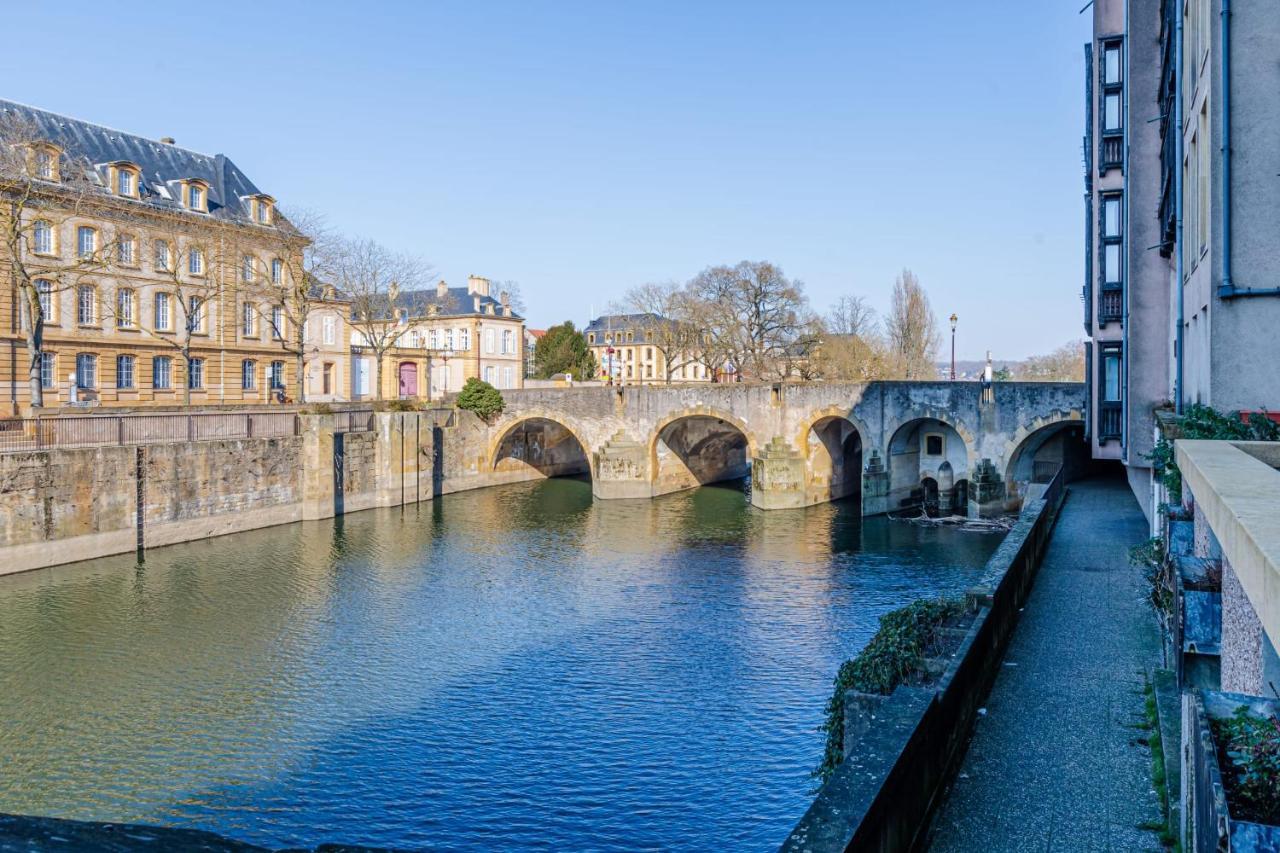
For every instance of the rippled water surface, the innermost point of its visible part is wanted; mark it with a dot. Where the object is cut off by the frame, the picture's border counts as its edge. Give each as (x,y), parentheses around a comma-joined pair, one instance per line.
(513,667)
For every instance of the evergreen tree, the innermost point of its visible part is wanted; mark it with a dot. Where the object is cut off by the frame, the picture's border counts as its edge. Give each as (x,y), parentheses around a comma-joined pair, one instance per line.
(563,349)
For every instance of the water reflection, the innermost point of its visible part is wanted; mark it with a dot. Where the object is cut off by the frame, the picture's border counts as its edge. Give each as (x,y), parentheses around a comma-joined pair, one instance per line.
(515,666)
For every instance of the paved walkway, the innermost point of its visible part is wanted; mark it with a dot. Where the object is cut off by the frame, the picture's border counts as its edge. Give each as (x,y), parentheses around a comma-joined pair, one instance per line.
(1054,764)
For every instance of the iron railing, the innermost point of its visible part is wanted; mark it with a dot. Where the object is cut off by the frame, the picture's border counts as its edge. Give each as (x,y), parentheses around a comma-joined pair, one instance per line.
(18,435)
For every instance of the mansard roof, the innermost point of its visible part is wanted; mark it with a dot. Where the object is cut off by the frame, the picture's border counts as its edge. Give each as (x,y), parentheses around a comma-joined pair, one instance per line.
(162,164)
(456,302)
(641,325)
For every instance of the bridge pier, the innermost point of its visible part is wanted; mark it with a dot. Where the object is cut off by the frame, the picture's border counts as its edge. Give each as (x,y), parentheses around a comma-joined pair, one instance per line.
(621,470)
(778,477)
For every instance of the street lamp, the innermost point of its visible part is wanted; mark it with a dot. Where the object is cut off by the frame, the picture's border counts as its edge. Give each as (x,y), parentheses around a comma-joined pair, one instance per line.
(954,318)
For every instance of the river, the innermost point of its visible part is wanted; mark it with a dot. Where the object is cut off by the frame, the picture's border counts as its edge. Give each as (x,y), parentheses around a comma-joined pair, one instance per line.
(516,667)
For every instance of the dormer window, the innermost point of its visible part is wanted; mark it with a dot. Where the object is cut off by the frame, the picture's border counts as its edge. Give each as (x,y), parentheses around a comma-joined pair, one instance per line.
(262,209)
(44,161)
(126,179)
(197,194)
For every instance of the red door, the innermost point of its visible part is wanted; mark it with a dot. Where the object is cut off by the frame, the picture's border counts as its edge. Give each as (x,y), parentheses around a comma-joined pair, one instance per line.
(408,379)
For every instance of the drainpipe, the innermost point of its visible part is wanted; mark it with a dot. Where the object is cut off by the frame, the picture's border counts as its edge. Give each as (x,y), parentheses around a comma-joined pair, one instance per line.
(1124,260)
(1178,61)
(1227,289)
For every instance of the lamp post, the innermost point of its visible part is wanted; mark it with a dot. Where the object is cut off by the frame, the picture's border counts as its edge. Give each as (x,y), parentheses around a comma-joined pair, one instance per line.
(954,318)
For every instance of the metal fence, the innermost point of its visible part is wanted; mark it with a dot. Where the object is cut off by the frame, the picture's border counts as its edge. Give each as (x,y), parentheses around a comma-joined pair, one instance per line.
(71,431)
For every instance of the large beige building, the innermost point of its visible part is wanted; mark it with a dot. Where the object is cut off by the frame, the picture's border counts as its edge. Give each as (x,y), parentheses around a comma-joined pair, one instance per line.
(442,337)
(636,348)
(161,272)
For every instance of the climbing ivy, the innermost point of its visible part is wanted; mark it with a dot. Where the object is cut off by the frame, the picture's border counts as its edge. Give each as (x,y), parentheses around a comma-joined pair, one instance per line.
(1204,422)
(894,656)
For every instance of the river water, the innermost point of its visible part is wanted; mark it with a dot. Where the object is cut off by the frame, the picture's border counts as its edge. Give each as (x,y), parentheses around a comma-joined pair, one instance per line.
(517,667)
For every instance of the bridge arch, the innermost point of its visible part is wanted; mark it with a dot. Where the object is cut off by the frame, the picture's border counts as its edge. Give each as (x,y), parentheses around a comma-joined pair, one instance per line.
(1039,448)
(927,457)
(541,442)
(833,442)
(697,446)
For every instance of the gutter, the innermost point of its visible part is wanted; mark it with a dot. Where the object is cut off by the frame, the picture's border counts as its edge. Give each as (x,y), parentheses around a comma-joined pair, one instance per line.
(1179,60)
(1227,289)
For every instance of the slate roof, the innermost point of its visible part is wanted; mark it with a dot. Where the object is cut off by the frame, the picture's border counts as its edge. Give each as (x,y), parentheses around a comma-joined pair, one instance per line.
(160,163)
(456,302)
(640,324)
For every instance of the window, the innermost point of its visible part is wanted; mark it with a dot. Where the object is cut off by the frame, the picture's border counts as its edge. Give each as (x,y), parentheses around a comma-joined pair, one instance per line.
(161,316)
(433,339)
(329,329)
(162,256)
(248,320)
(448,339)
(464,339)
(591,337)
(86,305)
(933,445)
(195,314)
(488,374)
(263,211)
(42,238)
(1111,64)
(126,182)
(195,373)
(195,261)
(162,372)
(1111,112)
(124,307)
(248,374)
(508,377)
(45,164)
(1110,299)
(508,341)
(47,374)
(86,370)
(277,322)
(277,271)
(86,241)
(326,377)
(246,268)
(648,353)
(1202,203)
(1111,376)
(44,289)
(277,375)
(124,371)
(126,252)
(489,338)
(195,196)
(415,339)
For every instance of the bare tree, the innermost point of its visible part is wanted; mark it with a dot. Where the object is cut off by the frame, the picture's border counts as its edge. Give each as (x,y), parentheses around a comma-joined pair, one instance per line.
(187,307)
(1064,364)
(754,315)
(42,188)
(673,328)
(912,331)
(375,279)
(853,347)
(515,297)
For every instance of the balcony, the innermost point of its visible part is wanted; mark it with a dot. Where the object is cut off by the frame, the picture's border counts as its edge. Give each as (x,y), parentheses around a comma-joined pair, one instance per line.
(1112,154)
(1110,414)
(1110,306)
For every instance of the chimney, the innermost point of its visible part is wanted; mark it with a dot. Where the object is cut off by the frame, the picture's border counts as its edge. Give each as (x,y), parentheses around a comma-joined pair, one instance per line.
(475,303)
(168,140)
(442,289)
(477,286)
(505,299)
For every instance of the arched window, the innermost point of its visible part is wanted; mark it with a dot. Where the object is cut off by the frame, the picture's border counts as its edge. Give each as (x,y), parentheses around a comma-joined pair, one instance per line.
(197,196)
(248,374)
(126,183)
(277,271)
(46,164)
(86,370)
(124,371)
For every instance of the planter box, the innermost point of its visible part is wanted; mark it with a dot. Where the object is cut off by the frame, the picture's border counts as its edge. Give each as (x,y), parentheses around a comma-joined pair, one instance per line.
(1208,812)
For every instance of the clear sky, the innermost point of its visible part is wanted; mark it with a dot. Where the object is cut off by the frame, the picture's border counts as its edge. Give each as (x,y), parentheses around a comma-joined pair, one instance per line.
(581,148)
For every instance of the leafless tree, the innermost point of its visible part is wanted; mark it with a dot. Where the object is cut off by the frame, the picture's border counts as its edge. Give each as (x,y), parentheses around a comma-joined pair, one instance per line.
(912,331)
(852,348)
(42,188)
(1064,364)
(515,296)
(674,329)
(375,279)
(754,315)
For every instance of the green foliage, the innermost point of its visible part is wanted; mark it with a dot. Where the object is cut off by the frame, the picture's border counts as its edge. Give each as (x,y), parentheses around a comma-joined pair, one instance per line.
(482,398)
(1203,422)
(894,656)
(1159,773)
(563,349)
(396,406)
(1002,375)
(1249,754)
(1149,557)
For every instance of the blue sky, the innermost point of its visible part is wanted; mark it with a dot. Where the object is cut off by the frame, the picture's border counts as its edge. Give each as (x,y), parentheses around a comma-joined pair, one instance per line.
(582,148)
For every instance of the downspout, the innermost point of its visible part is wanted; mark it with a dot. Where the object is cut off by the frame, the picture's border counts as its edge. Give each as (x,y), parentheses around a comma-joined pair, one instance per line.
(1227,289)
(1180,339)
(1124,257)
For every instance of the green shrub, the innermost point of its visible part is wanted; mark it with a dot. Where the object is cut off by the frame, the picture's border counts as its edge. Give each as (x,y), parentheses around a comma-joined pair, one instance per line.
(1249,755)
(894,656)
(481,398)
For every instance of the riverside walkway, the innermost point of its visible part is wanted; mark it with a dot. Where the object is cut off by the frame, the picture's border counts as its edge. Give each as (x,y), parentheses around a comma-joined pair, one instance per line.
(1056,763)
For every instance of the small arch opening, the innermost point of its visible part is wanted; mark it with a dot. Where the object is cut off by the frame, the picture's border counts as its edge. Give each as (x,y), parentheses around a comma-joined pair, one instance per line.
(543,447)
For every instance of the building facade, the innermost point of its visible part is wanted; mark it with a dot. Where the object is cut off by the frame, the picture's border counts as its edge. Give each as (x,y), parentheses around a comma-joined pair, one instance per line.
(643,349)
(1182,273)
(157,271)
(441,337)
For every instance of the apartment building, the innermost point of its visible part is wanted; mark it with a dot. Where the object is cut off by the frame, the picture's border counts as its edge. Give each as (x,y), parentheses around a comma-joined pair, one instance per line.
(154,274)
(644,349)
(1182,273)
(441,337)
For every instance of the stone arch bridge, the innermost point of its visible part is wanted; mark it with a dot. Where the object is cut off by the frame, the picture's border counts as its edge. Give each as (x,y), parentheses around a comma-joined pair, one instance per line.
(949,446)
